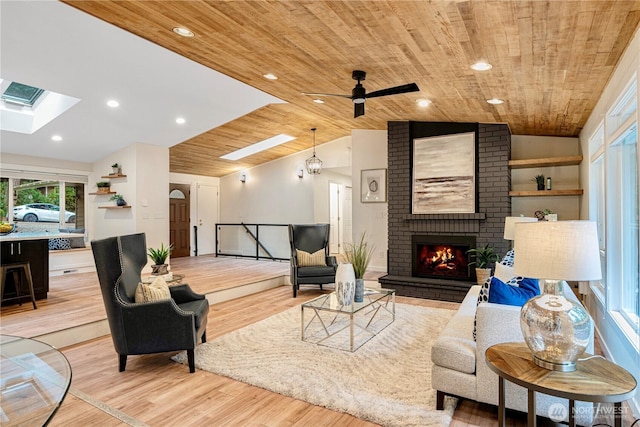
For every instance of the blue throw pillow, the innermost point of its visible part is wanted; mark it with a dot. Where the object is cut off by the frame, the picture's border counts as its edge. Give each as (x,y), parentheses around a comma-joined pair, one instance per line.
(501,293)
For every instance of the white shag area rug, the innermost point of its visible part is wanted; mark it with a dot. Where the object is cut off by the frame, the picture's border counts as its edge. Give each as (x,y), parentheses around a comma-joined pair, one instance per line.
(387,381)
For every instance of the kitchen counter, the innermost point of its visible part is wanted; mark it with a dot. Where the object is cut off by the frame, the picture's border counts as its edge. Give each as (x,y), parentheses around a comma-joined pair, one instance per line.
(17,236)
(31,247)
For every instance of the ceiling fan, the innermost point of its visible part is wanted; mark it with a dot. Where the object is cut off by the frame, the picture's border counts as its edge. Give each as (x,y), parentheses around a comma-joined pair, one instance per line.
(359,93)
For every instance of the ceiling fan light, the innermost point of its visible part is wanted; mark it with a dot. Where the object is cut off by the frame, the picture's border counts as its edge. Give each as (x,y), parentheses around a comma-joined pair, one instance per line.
(358,101)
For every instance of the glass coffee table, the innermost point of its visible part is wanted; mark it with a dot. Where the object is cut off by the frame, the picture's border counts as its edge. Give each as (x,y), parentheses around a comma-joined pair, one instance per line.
(347,327)
(35,380)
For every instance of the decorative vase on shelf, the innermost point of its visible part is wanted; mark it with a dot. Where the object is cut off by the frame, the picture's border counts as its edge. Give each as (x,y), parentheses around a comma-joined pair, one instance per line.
(121,202)
(345,284)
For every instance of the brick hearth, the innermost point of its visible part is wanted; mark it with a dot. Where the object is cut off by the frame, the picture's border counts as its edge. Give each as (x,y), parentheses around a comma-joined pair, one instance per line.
(487,224)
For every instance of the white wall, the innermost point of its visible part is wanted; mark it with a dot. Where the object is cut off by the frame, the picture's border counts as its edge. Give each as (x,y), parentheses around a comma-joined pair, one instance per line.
(273,193)
(145,188)
(611,337)
(370,152)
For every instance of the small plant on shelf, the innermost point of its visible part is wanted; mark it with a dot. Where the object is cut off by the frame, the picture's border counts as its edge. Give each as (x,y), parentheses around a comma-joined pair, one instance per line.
(159,257)
(120,201)
(116,168)
(103,186)
(539,179)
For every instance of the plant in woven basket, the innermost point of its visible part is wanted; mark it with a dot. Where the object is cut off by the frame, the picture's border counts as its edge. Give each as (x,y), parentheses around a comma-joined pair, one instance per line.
(483,257)
(159,257)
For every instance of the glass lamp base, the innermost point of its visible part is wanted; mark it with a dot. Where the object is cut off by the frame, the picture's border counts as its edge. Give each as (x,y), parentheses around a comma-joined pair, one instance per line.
(557,330)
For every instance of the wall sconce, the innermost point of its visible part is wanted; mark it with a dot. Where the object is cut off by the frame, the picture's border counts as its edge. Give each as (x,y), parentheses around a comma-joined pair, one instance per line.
(243,177)
(300,173)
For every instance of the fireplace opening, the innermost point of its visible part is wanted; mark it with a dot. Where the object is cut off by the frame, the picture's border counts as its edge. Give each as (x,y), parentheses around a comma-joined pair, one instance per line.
(442,256)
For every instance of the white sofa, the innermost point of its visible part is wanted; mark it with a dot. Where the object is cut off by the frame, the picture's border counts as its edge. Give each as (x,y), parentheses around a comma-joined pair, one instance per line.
(459,365)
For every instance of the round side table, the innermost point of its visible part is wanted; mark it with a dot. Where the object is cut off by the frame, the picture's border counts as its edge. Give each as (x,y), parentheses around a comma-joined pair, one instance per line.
(594,380)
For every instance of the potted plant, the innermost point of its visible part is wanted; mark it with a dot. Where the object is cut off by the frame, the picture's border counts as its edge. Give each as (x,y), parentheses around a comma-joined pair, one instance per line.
(159,257)
(483,257)
(358,255)
(103,186)
(116,168)
(120,201)
(539,179)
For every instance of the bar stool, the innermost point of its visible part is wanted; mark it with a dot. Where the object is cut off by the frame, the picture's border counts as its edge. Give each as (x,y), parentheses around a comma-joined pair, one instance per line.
(17,268)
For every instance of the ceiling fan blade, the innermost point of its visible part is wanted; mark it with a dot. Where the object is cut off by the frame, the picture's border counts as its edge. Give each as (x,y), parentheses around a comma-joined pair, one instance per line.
(411,87)
(358,110)
(326,94)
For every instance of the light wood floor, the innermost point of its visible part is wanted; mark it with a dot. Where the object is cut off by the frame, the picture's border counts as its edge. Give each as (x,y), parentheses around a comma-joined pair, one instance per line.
(159,392)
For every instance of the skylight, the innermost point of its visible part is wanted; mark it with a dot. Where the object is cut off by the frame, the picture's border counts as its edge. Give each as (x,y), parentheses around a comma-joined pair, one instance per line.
(22,94)
(258,147)
(25,109)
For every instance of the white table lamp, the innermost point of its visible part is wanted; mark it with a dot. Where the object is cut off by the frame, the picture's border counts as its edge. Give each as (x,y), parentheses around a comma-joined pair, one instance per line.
(510,223)
(556,329)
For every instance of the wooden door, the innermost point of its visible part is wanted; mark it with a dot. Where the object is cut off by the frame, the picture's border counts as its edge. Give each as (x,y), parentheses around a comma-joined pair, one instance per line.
(179,224)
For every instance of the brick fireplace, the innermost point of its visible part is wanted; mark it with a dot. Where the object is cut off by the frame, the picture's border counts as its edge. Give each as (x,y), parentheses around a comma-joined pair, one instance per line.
(484,226)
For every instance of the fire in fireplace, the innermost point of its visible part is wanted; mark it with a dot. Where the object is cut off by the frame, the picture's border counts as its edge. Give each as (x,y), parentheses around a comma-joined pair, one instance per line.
(442,256)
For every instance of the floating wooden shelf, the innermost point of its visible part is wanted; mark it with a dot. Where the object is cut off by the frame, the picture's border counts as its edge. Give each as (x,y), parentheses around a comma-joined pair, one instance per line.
(104,193)
(115,175)
(545,162)
(114,207)
(546,193)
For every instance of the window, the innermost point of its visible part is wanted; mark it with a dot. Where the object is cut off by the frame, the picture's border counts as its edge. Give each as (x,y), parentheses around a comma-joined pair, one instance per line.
(622,211)
(19,93)
(624,154)
(37,204)
(597,203)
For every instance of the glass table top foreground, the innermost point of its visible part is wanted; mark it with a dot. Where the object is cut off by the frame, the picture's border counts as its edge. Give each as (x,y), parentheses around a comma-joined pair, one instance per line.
(35,379)
(329,302)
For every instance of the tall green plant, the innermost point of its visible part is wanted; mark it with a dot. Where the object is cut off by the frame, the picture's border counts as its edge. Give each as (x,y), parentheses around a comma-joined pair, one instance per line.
(359,254)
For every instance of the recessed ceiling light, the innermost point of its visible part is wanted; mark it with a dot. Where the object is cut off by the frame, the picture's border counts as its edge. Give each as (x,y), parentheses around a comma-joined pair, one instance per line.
(180,120)
(270,76)
(113,103)
(481,66)
(423,102)
(258,146)
(318,101)
(56,138)
(495,101)
(184,32)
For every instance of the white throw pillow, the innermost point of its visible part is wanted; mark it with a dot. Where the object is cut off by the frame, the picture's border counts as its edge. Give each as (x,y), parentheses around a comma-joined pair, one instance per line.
(504,273)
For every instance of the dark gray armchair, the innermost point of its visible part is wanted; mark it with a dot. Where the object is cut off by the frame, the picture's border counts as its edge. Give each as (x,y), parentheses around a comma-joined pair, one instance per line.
(311,238)
(151,327)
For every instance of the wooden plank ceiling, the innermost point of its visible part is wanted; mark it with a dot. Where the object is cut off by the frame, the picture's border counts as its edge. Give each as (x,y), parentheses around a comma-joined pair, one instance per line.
(551,61)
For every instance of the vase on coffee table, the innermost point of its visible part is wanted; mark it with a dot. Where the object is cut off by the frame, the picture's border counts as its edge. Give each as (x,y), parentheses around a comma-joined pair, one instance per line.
(345,284)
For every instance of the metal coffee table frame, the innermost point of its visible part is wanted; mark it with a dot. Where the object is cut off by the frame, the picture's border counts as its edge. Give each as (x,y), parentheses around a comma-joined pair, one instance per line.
(374,301)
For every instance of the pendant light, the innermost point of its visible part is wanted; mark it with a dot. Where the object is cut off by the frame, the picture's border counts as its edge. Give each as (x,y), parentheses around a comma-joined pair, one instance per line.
(314,164)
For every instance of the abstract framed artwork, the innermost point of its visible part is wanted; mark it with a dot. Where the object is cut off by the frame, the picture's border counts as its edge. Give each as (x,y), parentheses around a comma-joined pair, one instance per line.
(373,186)
(443,175)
